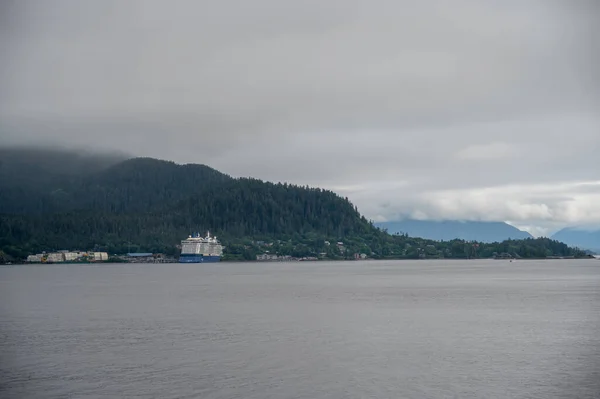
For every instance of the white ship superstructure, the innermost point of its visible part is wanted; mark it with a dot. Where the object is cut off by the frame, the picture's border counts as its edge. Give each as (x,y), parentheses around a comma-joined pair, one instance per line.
(197,249)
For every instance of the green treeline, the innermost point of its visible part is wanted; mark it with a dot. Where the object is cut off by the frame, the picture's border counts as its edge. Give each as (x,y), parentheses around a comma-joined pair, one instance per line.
(149,205)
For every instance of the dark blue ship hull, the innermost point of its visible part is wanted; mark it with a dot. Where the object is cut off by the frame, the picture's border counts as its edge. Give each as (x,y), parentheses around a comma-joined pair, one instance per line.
(198,259)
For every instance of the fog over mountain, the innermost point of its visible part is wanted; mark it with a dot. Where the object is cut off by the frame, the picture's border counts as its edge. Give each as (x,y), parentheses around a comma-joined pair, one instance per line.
(464,110)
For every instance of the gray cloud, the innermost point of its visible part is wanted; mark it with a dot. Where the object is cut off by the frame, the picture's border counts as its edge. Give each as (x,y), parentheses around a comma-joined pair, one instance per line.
(391,102)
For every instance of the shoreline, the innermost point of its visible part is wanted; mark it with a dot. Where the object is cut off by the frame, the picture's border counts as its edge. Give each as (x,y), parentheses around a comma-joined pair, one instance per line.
(112,262)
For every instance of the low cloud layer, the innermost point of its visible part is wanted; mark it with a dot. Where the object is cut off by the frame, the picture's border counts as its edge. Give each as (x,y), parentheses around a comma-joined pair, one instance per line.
(472,110)
(538,208)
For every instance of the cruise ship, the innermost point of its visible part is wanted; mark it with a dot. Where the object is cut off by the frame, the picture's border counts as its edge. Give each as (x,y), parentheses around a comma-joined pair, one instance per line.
(197,249)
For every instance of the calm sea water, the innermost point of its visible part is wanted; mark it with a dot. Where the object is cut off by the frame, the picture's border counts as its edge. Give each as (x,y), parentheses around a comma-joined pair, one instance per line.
(427,329)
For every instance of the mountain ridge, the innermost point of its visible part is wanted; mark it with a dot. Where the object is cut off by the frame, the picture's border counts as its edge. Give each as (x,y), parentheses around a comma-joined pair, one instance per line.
(446,230)
(583,237)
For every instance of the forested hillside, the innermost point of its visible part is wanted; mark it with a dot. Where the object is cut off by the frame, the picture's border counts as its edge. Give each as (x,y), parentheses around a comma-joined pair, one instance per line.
(145,204)
(134,185)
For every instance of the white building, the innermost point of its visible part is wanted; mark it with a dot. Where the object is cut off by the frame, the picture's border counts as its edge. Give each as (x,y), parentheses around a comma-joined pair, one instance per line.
(70,256)
(34,258)
(55,257)
(98,256)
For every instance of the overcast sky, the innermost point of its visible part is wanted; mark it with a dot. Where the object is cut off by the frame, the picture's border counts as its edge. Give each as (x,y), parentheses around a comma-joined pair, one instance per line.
(477,110)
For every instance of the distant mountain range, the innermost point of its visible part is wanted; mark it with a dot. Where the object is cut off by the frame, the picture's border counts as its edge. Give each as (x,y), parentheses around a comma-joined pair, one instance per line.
(581,237)
(450,229)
